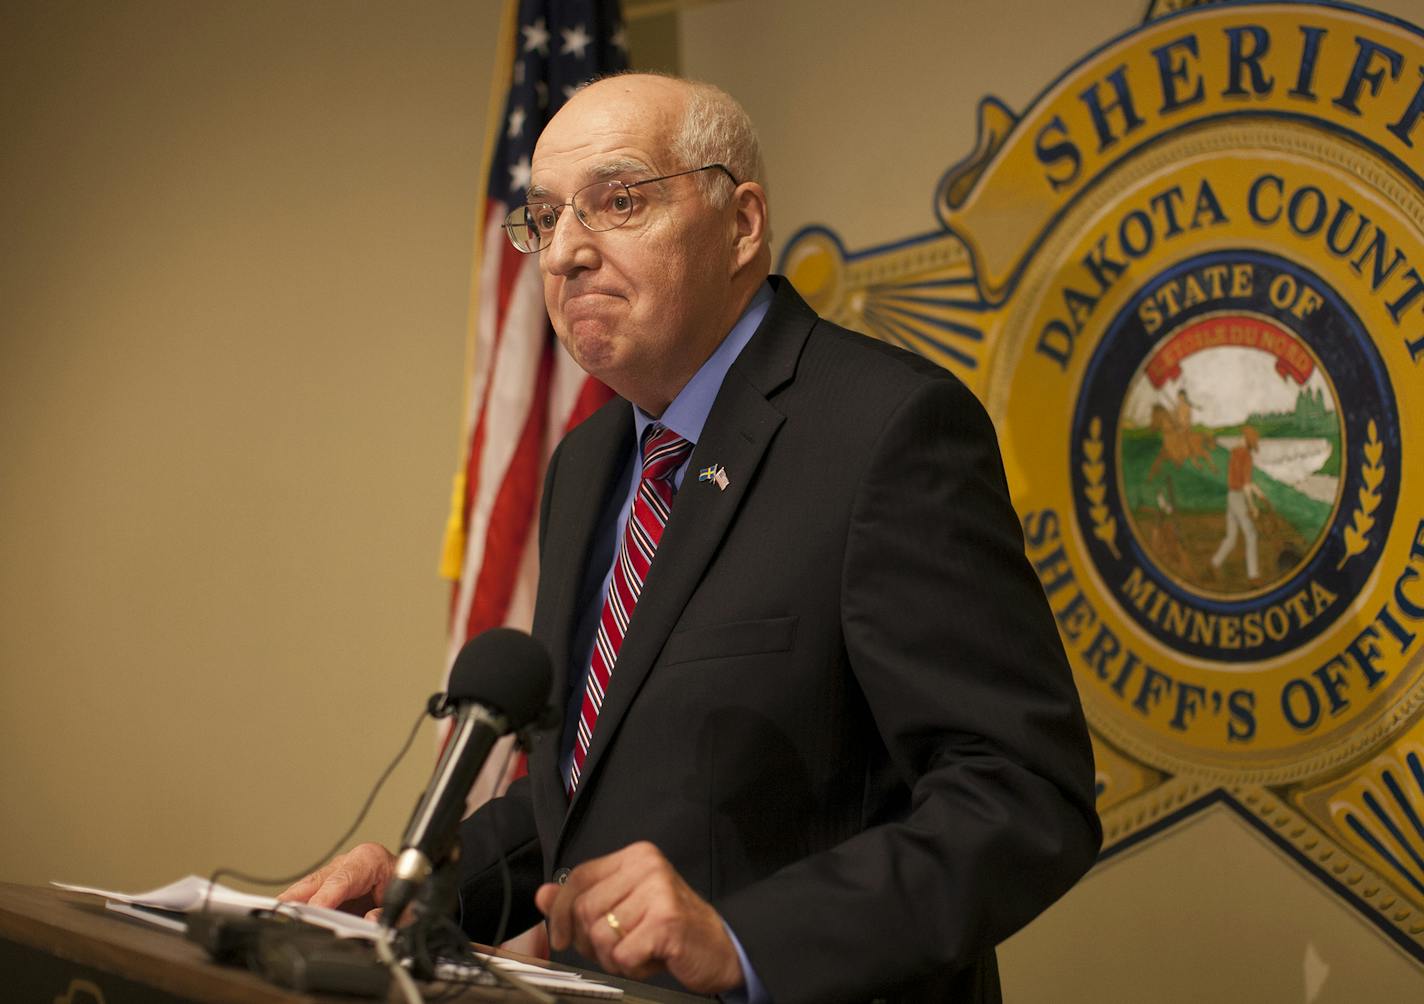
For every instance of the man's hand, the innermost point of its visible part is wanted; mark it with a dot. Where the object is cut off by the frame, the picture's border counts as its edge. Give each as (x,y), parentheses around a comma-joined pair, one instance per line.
(660,922)
(355,881)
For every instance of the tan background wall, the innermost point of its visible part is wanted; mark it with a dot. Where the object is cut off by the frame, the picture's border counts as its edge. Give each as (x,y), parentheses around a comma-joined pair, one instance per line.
(234,252)
(236,245)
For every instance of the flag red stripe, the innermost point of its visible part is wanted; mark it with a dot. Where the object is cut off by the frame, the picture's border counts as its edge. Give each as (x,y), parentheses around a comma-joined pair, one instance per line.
(591,396)
(513,512)
(508,265)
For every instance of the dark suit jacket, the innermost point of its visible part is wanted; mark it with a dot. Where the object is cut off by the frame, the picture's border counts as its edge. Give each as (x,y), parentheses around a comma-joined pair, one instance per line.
(841,708)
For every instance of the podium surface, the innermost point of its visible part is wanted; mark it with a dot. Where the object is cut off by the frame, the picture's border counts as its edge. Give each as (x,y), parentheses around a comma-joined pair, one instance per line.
(60,947)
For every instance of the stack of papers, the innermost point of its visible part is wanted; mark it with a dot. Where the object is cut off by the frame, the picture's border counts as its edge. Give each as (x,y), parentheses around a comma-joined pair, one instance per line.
(166,906)
(191,894)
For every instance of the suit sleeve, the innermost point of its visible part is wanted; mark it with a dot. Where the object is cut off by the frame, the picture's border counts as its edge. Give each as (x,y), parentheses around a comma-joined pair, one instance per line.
(950,639)
(499,851)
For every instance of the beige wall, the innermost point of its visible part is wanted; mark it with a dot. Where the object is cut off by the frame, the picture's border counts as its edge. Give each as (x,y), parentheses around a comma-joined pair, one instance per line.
(235,242)
(234,245)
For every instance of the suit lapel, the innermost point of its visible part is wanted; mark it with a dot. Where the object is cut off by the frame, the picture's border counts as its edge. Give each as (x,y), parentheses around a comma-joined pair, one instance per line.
(738,431)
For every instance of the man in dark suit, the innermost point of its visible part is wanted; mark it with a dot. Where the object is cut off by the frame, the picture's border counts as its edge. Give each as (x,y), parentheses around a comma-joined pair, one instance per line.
(820,741)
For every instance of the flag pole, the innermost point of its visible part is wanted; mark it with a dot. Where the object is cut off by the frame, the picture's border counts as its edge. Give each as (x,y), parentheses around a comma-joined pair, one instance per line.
(452,550)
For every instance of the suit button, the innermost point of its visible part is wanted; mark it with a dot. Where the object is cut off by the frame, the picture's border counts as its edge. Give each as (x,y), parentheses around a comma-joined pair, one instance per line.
(561,876)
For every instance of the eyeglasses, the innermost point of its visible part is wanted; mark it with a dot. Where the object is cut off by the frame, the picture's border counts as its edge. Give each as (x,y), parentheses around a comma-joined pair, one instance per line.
(604,205)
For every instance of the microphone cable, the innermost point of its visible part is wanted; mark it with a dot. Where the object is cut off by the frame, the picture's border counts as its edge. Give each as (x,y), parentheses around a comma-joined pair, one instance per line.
(386,953)
(384,942)
(468,956)
(286,880)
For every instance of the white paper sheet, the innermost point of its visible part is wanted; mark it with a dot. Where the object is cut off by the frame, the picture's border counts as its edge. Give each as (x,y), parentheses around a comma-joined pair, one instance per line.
(187,895)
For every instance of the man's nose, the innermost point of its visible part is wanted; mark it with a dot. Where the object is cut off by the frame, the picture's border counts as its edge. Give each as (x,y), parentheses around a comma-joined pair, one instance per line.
(571,246)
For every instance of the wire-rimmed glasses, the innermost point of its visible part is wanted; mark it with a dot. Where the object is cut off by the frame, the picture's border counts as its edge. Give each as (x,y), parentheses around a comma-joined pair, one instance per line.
(603,205)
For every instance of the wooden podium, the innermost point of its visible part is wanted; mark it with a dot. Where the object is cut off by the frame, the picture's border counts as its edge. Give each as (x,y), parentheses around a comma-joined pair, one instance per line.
(65,948)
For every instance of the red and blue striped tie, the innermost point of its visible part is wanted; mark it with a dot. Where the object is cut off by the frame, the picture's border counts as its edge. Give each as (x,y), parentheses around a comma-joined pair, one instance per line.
(664,451)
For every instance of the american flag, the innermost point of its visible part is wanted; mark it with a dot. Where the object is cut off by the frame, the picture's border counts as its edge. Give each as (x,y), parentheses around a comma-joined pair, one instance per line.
(523,392)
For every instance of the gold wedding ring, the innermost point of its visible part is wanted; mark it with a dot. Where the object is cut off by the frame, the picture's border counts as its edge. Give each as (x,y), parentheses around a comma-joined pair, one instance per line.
(611,919)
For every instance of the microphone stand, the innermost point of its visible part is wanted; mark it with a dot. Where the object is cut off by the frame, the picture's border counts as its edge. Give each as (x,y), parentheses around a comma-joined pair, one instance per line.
(430,934)
(428,937)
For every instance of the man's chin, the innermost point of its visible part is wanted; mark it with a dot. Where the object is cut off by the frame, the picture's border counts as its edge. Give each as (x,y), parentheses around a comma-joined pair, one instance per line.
(592,346)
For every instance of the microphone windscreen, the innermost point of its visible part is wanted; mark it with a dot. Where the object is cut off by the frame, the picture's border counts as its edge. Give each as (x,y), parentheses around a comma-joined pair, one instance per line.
(503,669)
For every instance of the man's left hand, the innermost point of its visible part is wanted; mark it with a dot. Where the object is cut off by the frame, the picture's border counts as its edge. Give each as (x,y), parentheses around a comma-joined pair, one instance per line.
(632,912)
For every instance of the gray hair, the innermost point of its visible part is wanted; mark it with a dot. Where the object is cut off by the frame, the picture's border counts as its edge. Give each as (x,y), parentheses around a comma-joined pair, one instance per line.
(717,130)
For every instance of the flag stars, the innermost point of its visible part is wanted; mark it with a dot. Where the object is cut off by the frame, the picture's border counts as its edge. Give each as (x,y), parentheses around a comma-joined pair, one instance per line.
(519,72)
(576,41)
(536,37)
(619,40)
(516,122)
(541,94)
(519,174)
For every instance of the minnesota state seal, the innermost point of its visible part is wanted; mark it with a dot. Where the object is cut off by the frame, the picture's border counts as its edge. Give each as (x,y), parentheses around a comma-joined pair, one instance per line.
(1188,284)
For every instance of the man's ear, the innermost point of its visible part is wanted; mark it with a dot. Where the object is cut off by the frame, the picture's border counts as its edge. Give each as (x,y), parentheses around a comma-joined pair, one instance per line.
(750,224)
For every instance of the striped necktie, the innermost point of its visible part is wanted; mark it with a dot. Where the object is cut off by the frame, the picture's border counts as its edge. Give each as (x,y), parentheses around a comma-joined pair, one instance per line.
(664,451)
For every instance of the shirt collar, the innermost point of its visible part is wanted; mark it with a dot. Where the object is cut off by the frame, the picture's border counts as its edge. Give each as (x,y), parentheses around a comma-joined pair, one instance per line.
(688,412)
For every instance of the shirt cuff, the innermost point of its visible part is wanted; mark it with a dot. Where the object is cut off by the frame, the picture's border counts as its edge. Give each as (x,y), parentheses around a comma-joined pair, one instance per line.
(752,991)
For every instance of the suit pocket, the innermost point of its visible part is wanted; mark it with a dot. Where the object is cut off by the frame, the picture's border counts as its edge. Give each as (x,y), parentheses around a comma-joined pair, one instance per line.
(723,641)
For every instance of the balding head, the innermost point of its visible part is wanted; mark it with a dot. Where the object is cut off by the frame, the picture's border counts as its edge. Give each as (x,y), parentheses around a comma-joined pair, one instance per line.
(709,127)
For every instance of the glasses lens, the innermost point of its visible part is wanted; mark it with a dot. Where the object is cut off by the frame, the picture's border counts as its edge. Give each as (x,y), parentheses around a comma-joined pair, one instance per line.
(604,205)
(523,225)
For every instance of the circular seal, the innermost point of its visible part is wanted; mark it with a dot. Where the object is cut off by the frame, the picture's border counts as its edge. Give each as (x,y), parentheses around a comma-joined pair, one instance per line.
(1220,439)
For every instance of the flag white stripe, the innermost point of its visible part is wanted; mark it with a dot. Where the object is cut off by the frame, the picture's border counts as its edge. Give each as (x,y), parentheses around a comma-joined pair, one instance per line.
(510,400)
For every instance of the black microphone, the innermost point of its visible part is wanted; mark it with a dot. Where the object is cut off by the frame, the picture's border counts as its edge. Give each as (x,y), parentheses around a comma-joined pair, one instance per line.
(498,684)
